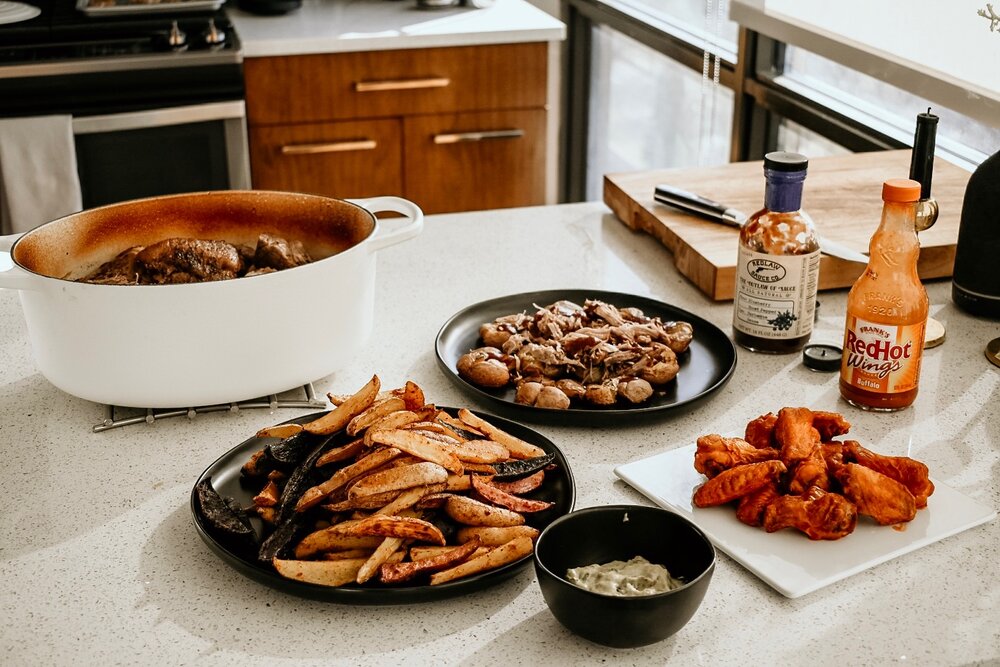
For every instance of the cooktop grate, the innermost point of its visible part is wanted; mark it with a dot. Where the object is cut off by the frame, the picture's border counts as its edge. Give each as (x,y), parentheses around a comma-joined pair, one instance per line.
(117,416)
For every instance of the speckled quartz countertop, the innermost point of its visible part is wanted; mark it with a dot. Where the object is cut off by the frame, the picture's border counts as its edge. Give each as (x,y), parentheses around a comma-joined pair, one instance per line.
(331,26)
(101,563)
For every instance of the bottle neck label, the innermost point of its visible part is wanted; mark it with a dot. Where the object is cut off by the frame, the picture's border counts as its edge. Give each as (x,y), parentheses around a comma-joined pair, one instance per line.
(775,294)
(783,196)
(882,358)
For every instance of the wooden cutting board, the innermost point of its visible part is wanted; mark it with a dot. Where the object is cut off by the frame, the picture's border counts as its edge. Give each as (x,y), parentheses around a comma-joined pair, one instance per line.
(843,194)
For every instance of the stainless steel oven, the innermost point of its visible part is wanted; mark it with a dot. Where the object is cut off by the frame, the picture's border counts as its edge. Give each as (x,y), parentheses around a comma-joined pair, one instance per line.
(156,99)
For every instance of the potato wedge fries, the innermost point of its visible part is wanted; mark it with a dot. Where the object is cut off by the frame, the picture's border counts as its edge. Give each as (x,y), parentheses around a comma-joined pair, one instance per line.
(340,416)
(506,553)
(396,491)
(471,512)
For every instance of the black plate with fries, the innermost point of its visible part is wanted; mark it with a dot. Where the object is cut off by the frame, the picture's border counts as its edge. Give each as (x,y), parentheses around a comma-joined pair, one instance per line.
(558,488)
(705,367)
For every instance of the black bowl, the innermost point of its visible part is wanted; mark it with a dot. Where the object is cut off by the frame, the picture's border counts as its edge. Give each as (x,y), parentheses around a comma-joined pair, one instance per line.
(621,532)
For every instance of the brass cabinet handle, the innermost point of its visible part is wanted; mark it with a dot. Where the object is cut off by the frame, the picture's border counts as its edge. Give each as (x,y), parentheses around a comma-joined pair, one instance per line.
(401,84)
(331,147)
(477,136)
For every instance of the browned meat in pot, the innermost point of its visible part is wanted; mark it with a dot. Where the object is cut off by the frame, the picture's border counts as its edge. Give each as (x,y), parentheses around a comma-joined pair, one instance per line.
(189,260)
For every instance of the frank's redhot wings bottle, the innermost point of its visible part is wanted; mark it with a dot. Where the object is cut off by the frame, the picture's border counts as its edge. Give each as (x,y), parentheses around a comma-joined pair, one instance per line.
(887,310)
(777,272)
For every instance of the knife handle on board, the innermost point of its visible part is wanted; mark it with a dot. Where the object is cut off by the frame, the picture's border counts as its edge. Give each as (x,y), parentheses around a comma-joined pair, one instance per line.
(692,203)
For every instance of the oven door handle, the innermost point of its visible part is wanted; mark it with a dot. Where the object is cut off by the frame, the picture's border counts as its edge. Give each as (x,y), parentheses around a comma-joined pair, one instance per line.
(136,120)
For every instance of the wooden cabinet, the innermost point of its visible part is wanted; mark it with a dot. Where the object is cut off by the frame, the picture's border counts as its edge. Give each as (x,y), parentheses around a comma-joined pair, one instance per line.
(452,128)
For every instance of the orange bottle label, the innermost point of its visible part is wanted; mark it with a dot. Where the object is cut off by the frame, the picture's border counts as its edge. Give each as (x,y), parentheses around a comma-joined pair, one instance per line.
(882,358)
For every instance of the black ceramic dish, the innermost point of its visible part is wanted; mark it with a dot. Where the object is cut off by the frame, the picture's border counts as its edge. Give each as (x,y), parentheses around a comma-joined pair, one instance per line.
(705,367)
(621,532)
(559,488)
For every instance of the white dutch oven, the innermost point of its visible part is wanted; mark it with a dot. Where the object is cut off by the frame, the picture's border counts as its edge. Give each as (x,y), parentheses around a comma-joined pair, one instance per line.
(162,346)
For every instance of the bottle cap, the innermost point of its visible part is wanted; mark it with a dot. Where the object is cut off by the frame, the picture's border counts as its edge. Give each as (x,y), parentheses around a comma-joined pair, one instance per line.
(822,357)
(785,161)
(900,190)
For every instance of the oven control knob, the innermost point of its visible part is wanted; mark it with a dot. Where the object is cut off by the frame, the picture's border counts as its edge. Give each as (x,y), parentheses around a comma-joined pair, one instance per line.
(214,36)
(177,39)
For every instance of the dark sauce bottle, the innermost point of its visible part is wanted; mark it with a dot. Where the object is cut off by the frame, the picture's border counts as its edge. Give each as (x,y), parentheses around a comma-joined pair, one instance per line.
(777,273)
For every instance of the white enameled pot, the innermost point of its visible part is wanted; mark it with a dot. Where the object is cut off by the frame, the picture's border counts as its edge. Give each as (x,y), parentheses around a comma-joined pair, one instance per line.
(161,346)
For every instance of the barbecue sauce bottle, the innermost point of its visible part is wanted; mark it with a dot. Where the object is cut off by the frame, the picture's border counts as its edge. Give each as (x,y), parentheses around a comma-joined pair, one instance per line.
(887,310)
(777,272)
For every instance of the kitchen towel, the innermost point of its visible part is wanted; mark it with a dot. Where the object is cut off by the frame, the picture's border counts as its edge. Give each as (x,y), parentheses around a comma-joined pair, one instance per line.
(38,177)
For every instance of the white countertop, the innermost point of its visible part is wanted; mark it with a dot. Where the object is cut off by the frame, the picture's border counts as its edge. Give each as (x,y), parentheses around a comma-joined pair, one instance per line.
(332,26)
(942,51)
(102,565)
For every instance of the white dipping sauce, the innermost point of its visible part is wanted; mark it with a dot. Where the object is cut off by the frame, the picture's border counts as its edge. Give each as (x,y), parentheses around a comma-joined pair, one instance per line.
(625,578)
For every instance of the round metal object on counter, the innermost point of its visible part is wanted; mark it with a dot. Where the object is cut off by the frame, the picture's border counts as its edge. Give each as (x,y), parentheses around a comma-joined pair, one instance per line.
(822,357)
(933,334)
(993,351)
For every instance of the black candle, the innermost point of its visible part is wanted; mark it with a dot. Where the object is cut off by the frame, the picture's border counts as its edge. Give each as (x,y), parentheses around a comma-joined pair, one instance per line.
(922,159)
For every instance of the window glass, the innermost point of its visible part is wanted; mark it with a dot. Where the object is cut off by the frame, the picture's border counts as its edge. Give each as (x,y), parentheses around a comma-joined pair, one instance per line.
(797,139)
(703,19)
(650,112)
(886,108)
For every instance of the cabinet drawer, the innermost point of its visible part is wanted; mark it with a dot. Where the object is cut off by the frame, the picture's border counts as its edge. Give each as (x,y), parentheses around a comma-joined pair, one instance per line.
(474,161)
(347,159)
(379,84)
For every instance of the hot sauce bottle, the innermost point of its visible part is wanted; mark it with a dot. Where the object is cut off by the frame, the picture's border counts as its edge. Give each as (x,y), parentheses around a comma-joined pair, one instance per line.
(777,272)
(887,310)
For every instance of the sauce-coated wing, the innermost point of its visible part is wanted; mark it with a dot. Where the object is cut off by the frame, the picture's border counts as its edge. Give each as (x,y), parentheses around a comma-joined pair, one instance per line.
(760,432)
(818,514)
(876,495)
(810,472)
(830,425)
(716,454)
(795,435)
(750,509)
(737,482)
(909,472)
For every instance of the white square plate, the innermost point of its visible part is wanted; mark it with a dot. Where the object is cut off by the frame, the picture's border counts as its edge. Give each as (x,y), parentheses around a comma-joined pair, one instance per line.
(787,560)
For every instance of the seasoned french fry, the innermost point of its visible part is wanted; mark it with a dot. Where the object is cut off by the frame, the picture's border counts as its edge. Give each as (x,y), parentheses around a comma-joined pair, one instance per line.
(323,572)
(402,477)
(519,449)
(348,553)
(408,498)
(419,445)
(372,502)
(389,547)
(413,396)
(279,431)
(522,485)
(333,539)
(373,413)
(348,451)
(474,513)
(340,416)
(433,500)
(391,422)
(458,483)
(506,553)
(316,494)
(495,536)
(394,573)
(393,526)
(508,500)
(268,497)
(477,451)
(461,429)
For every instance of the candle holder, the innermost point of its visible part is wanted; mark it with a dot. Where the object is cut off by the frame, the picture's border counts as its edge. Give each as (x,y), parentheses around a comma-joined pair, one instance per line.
(927,213)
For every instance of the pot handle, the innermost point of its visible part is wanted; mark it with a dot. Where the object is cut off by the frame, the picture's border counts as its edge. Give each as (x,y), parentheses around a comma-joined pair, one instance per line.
(13,276)
(410,229)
